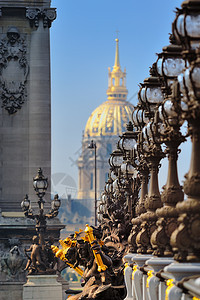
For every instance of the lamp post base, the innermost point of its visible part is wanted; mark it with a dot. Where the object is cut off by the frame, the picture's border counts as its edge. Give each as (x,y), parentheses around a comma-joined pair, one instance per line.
(42,287)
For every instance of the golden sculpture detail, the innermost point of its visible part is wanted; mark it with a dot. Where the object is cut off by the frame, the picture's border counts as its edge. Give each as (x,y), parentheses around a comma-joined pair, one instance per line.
(102,276)
(68,243)
(92,241)
(61,253)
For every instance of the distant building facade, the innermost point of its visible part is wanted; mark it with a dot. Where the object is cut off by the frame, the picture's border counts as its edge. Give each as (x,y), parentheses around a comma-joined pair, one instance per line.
(74,213)
(104,126)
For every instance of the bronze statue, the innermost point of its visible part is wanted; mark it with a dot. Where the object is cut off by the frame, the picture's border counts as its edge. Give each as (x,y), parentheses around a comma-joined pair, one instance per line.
(41,260)
(103,267)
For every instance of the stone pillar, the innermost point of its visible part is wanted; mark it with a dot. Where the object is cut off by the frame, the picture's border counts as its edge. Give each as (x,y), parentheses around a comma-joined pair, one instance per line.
(40,287)
(139,278)
(128,276)
(25,129)
(39,105)
(25,102)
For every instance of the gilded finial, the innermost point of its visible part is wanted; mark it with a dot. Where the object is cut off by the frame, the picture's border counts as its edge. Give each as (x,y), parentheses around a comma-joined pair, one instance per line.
(116,78)
(117,64)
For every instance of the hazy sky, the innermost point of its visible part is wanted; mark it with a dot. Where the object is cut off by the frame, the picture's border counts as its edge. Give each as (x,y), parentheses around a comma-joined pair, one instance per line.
(82,49)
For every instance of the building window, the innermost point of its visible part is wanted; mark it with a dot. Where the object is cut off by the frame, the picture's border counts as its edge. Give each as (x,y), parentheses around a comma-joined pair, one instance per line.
(108,149)
(91,181)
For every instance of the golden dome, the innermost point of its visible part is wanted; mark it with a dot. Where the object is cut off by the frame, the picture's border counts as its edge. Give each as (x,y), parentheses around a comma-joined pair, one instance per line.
(109,119)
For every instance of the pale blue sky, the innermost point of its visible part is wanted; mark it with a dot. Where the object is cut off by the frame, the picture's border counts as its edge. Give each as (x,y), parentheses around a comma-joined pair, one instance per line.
(82,49)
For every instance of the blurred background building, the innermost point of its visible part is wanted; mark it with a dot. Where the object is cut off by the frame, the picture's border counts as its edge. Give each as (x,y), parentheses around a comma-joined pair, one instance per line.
(103,127)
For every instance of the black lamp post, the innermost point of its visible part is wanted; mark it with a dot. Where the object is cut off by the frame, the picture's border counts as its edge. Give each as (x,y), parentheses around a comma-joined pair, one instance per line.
(116,159)
(186,27)
(149,146)
(169,65)
(40,184)
(187,33)
(93,145)
(150,94)
(189,209)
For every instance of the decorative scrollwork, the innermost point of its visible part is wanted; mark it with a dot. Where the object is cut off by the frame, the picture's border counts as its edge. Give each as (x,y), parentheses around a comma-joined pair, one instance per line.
(13,70)
(34,14)
(192,185)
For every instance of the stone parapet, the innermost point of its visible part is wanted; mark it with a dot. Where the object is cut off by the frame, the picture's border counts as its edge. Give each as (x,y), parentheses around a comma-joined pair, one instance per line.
(42,287)
(24,3)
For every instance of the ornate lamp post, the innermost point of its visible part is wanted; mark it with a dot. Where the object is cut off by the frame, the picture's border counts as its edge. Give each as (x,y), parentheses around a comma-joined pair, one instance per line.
(41,261)
(116,159)
(128,140)
(40,184)
(150,96)
(169,65)
(186,238)
(101,208)
(139,120)
(117,183)
(189,209)
(126,144)
(186,27)
(172,191)
(93,145)
(140,164)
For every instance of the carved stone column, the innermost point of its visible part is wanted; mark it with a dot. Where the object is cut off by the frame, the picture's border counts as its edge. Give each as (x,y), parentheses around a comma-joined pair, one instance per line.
(40,100)
(25,98)
(152,201)
(128,276)
(25,130)
(172,193)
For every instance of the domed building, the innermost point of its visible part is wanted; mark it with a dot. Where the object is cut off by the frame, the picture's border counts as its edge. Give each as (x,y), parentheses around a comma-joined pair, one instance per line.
(104,126)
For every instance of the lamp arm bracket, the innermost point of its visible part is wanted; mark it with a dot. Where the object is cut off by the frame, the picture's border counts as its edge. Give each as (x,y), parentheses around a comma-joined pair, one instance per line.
(52,214)
(30,215)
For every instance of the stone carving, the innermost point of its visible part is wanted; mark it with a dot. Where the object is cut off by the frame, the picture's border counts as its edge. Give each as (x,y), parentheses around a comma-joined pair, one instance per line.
(12,262)
(13,70)
(34,14)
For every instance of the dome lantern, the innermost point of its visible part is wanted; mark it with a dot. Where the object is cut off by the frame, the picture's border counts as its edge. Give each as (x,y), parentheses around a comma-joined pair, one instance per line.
(117,79)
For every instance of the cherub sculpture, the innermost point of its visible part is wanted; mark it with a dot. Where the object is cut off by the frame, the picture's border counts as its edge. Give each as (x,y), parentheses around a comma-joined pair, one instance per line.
(39,262)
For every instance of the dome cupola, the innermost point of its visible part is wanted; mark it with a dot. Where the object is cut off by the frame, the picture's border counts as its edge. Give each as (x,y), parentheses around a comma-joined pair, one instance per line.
(111,117)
